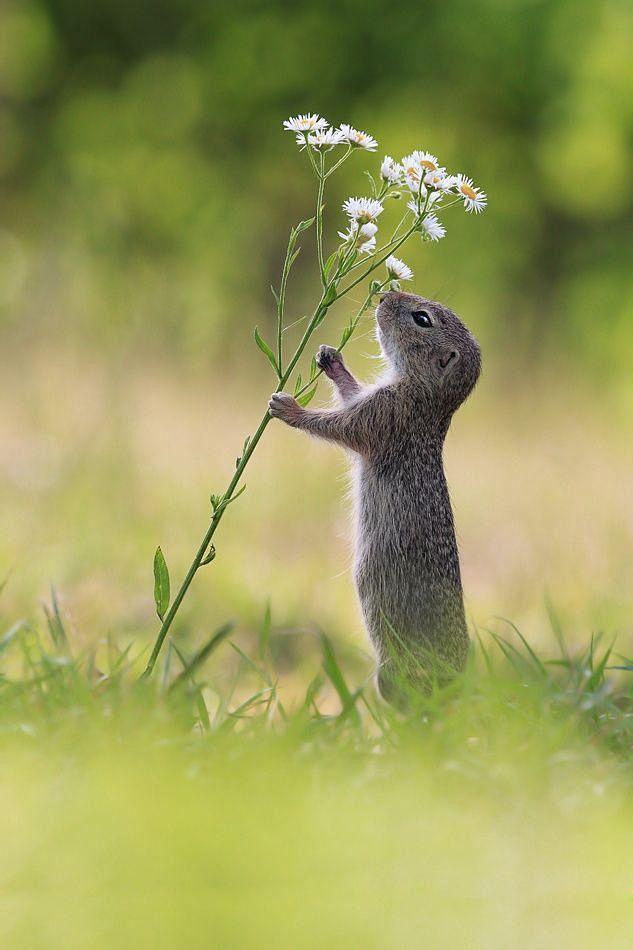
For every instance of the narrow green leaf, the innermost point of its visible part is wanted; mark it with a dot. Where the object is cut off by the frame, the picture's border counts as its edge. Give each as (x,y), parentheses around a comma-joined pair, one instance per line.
(251,664)
(55,622)
(297,388)
(347,332)
(329,263)
(203,653)
(330,295)
(266,350)
(264,631)
(161,583)
(304,225)
(314,369)
(11,634)
(335,675)
(307,396)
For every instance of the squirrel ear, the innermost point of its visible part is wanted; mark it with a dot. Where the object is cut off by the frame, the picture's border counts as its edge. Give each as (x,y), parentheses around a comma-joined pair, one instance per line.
(447,359)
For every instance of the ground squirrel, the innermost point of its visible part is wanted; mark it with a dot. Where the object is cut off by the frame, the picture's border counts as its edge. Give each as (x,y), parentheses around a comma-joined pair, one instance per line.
(406,561)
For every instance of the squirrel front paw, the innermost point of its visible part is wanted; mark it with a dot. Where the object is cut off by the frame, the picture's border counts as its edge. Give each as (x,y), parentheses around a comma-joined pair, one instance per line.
(285,407)
(329,360)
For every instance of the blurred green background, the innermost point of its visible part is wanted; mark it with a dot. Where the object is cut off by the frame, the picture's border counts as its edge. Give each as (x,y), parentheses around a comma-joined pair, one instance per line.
(147,190)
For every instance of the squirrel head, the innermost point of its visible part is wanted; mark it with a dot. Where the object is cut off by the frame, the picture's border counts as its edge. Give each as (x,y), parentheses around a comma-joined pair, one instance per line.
(425,341)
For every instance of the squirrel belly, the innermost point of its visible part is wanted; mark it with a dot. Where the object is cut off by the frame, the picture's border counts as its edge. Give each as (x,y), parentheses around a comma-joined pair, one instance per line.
(407,567)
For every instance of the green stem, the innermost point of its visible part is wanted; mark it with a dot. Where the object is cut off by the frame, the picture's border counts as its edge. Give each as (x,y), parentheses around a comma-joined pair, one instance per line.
(319,218)
(337,164)
(317,317)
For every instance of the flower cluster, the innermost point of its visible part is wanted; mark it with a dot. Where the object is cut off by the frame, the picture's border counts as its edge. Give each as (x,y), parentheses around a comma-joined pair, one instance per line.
(317,133)
(419,175)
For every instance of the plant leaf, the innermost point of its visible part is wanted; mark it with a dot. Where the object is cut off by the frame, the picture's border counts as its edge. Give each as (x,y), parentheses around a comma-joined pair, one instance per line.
(267,351)
(330,295)
(304,225)
(307,396)
(161,583)
(328,264)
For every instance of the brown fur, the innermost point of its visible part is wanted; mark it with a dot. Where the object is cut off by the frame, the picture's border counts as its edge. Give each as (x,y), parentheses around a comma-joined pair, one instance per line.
(406,564)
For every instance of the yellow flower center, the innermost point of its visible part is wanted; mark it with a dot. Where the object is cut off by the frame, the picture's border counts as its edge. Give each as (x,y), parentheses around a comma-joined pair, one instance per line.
(427,164)
(468,191)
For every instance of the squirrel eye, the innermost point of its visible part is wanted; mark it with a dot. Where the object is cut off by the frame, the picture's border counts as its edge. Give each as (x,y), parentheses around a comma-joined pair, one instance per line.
(422,318)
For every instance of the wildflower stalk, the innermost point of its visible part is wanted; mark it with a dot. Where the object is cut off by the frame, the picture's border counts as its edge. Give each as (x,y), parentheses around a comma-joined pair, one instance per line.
(314,135)
(203,549)
(319,217)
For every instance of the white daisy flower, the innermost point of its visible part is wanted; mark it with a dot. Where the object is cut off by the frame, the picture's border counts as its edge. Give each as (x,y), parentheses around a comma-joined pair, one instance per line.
(324,139)
(439,180)
(358,139)
(390,170)
(362,209)
(363,237)
(432,227)
(425,159)
(367,247)
(368,231)
(397,269)
(474,198)
(305,123)
(413,172)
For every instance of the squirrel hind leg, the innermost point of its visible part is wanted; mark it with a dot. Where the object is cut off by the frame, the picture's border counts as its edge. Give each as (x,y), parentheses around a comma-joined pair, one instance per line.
(405,684)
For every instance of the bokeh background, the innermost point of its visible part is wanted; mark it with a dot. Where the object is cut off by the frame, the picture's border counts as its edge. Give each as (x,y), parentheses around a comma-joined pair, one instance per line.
(146,191)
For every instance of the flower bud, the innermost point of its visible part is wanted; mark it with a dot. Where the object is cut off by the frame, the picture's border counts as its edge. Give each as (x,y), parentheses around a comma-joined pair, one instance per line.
(367,231)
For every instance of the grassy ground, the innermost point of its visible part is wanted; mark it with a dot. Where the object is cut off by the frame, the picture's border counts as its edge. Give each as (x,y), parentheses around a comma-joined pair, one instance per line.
(232,803)
(266,797)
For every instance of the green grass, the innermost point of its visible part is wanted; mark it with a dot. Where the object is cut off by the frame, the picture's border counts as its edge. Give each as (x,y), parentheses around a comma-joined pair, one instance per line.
(241,799)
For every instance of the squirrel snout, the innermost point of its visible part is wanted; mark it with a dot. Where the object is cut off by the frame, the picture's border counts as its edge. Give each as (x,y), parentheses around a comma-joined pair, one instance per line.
(390,293)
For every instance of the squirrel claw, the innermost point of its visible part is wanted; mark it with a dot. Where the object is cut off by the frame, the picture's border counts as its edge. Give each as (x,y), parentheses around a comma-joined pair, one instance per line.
(328,358)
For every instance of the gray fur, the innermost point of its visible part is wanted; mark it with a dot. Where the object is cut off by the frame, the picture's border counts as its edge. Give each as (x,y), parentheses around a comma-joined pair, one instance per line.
(406,564)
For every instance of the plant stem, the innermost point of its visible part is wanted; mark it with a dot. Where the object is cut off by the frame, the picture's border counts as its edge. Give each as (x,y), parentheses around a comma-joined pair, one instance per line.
(319,218)
(317,317)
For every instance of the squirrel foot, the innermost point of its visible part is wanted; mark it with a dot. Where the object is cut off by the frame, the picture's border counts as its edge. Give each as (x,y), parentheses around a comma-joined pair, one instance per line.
(329,360)
(285,407)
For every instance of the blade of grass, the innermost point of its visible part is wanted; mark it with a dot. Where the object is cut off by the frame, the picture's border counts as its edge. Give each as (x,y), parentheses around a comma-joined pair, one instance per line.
(335,675)
(537,662)
(202,654)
